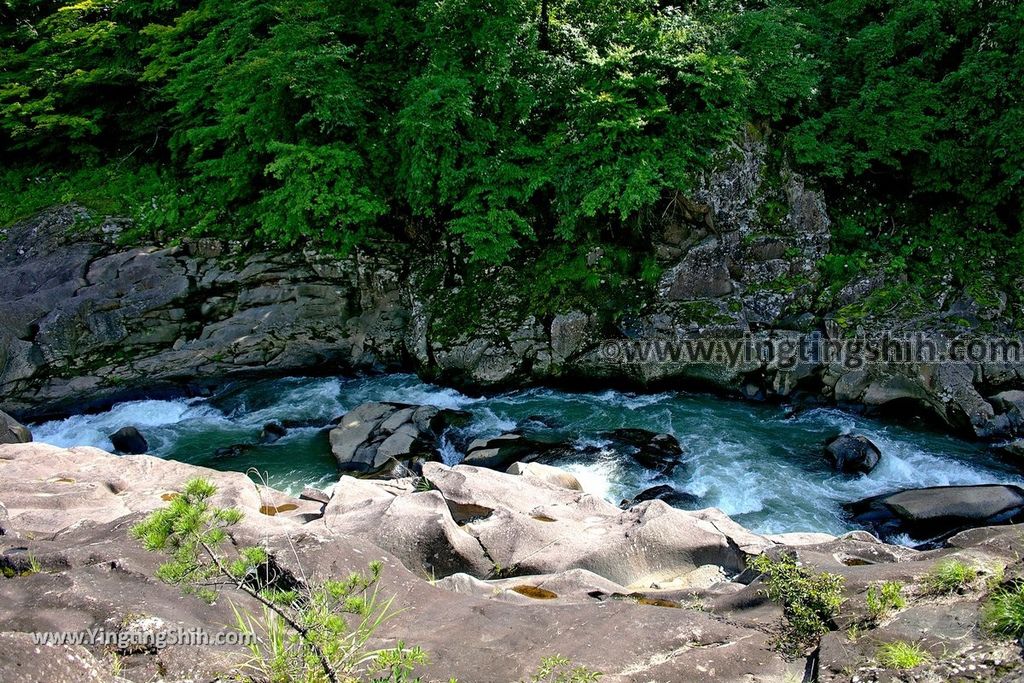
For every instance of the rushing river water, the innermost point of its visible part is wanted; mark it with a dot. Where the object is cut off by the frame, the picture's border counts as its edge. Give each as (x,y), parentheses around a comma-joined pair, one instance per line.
(756,462)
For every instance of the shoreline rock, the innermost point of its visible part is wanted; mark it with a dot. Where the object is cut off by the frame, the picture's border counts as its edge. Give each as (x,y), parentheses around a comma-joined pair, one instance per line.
(12,431)
(933,514)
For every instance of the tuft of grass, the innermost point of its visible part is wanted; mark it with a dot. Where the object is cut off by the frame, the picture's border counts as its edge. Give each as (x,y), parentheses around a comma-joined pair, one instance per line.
(885,598)
(950,576)
(1003,614)
(900,655)
(558,669)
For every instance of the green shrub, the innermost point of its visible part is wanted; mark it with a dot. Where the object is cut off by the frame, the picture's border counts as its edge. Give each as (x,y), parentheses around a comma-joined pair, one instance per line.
(305,632)
(1004,611)
(950,576)
(809,600)
(900,655)
(885,598)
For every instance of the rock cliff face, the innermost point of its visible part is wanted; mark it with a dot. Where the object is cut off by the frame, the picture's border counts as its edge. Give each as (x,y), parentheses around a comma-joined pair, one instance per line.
(86,320)
(490,571)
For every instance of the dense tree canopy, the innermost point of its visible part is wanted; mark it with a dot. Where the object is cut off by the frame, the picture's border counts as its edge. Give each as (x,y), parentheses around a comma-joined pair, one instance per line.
(512,124)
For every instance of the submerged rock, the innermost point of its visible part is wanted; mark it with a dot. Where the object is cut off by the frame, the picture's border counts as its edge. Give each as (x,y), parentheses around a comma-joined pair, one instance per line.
(129,440)
(234,450)
(852,453)
(390,439)
(936,513)
(12,431)
(272,431)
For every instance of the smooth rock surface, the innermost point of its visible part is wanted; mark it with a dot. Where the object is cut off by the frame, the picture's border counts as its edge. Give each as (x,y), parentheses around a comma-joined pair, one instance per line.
(934,513)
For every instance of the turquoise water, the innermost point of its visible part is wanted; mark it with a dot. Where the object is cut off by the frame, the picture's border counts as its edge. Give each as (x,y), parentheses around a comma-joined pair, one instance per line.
(758,463)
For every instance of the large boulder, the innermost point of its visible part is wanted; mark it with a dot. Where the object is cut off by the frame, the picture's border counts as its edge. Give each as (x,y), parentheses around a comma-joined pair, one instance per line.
(12,431)
(130,441)
(935,513)
(853,453)
(389,439)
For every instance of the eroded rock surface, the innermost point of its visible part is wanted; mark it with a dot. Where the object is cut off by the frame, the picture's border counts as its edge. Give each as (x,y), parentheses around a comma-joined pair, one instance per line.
(531,568)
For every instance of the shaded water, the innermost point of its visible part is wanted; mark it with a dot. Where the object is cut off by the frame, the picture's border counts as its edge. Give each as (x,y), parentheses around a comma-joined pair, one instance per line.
(756,462)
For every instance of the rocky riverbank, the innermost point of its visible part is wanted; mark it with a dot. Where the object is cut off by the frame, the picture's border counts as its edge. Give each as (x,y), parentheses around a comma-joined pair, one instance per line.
(87,320)
(492,571)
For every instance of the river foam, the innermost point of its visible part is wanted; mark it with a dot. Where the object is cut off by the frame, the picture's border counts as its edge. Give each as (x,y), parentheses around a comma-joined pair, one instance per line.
(756,462)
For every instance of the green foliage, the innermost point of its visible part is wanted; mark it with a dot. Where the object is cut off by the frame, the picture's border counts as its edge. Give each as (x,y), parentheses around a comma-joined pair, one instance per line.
(305,632)
(809,600)
(900,655)
(1004,611)
(511,128)
(558,669)
(950,576)
(916,131)
(885,598)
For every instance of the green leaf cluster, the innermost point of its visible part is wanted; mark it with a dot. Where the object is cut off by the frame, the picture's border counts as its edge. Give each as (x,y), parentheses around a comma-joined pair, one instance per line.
(809,600)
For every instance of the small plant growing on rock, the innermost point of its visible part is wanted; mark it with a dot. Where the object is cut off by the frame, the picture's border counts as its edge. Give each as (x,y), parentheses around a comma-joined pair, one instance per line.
(558,669)
(885,598)
(1004,611)
(306,632)
(900,655)
(950,576)
(809,600)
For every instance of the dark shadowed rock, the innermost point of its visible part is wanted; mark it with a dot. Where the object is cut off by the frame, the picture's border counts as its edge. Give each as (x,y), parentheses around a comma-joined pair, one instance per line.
(234,450)
(390,439)
(500,452)
(272,431)
(1011,450)
(935,513)
(668,494)
(853,453)
(129,440)
(660,452)
(12,431)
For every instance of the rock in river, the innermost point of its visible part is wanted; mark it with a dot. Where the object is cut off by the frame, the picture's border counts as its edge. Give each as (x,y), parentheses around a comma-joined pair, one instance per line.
(129,441)
(500,452)
(386,439)
(938,512)
(853,453)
